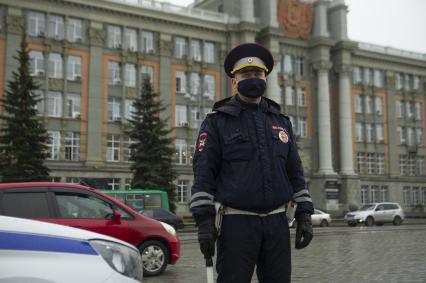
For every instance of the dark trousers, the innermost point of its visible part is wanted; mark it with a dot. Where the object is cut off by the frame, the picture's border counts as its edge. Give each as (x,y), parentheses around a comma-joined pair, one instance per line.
(247,241)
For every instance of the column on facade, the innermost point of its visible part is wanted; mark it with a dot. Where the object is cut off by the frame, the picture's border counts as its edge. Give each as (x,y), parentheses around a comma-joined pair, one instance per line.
(345,122)
(247,11)
(320,27)
(273,90)
(324,127)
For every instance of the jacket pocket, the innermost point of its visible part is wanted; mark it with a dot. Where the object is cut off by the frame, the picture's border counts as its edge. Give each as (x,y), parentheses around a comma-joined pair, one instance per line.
(237,147)
(281,142)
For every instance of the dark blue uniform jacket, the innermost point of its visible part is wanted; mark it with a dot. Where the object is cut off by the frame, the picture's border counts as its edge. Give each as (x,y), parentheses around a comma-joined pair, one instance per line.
(246,158)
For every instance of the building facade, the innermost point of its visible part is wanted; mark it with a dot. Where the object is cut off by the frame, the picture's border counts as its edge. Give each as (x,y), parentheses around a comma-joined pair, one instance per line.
(358,109)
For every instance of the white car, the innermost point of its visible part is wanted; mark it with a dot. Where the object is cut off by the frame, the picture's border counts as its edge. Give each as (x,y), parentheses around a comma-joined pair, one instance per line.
(320,218)
(376,213)
(33,251)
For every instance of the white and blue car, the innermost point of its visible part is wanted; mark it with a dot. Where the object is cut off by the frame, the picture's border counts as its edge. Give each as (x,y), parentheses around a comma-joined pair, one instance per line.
(39,252)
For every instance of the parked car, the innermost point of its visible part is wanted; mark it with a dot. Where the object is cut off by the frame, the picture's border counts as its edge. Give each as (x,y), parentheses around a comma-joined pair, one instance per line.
(376,213)
(320,218)
(164,215)
(86,208)
(34,251)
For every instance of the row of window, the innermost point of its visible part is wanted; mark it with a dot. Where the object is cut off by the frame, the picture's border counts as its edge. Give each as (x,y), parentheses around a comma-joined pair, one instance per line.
(55,104)
(369,132)
(411,165)
(374,193)
(71,145)
(372,77)
(406,82)
(55,63)
(299,125)
(370,163)
(291,65)
(413,195)
(197,50)
(187,116)
(367,106)
(410,136)
(295,96)
(409,109)
(197,84)
(130,70)
(127,38)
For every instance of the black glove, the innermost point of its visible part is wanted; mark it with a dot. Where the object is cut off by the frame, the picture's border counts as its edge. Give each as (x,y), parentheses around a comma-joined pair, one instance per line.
(304,232)
(207,237)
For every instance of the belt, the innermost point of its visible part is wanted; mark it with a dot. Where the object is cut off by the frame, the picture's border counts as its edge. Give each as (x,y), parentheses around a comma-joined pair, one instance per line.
(230,210)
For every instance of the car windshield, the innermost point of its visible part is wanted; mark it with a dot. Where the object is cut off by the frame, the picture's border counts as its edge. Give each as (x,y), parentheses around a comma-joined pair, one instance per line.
(368,207)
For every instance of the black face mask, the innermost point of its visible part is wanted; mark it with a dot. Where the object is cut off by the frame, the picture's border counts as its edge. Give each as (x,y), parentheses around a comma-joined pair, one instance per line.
(253,87)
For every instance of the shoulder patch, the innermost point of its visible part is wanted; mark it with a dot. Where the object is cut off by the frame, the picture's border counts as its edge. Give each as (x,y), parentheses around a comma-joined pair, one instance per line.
(212,112)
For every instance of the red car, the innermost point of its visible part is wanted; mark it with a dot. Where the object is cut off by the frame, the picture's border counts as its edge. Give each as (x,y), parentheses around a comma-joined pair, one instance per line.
(86,208)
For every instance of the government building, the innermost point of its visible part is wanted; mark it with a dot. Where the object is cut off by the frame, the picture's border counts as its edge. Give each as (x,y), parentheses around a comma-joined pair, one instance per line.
(358,109)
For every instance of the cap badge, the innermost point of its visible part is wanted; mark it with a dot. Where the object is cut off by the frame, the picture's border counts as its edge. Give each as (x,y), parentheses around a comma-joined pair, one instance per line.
(250,60)
(283,136)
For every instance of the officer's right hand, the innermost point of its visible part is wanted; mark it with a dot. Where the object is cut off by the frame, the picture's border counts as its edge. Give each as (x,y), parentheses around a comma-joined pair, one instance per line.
(207,237)
(304,232)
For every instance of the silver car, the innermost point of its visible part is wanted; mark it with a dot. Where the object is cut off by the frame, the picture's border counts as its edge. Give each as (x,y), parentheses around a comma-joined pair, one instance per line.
(376,213)
(320,218)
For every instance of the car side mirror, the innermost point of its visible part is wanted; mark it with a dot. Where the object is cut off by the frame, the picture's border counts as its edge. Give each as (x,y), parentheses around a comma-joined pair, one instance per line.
(117,216)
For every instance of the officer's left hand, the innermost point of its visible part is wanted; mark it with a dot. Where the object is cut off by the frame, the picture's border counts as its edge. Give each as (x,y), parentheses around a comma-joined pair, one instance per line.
(304,232)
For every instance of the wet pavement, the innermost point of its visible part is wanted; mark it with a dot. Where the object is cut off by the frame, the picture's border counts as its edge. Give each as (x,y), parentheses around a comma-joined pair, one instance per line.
(337,254)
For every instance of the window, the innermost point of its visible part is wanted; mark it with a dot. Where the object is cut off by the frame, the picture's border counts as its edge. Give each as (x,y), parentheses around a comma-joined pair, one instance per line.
(416,195)
(406,196)
(360,158)
(83,206)
(399,109)
(303,131)
(195,50)
(369,132)
(54,104)
(181,152)
(358,104)
(180,82)
(114,73)
(73,105)
(37,63)
(288,64)
(114,36)
(418,111)
(127,150)
(378,105)
(378,78)
(72,180)
(130,39)
(421,165)
(300,62)
(368,77)
(410,136)
(407,81)
(74,68)
(209,87)
(129,109)
(384,193)
(290,98)
(54,145)
(411,164)
(364,195)
(195,84)
(368,104)
(416,82)
(380,163)
(359,132)
(127,184)
(182,191)
(301,97)
(375,194)
(55,66)
(74,30)
(147,38)
(113,148)
(370,163)
(147,71)
(114,105)
(26,205)
(72,146)
(424,194)
(38,94)
(196,118)
(401,134)
(130,75)
(291,120)
(402,164)
(56,27)
(357,79)
(209,52)
(379,133)
(409,109)
(181,117)
(398,81)
(180,47)
(35,24)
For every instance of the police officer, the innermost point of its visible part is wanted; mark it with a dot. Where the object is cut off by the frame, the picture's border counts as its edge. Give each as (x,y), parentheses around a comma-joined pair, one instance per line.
(247,164)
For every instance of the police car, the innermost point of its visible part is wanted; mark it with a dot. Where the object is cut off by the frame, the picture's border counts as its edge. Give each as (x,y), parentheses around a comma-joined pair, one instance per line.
(33,251)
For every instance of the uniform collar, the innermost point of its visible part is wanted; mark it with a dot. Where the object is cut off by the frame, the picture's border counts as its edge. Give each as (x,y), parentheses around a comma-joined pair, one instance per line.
(233,106)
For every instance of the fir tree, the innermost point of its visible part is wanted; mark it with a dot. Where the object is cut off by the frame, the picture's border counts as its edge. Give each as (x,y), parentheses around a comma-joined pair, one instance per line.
(23,137)
(152,149)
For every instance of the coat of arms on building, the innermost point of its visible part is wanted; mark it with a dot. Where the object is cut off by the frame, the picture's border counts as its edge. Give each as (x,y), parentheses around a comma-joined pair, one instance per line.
(295,17)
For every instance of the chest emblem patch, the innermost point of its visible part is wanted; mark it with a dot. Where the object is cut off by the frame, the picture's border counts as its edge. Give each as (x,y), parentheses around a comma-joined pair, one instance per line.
(202,140)
(283,136)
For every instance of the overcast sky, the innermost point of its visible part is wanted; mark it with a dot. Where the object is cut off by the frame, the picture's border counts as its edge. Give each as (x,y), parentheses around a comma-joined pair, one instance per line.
(396,23)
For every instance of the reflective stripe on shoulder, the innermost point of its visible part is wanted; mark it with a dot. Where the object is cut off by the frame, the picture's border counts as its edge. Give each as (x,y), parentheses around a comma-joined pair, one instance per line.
(44,243)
